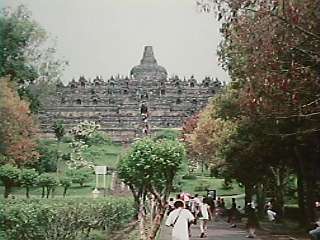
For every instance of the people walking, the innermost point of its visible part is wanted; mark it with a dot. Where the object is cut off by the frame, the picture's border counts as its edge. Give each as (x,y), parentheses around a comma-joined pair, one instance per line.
(272,214)
(204,215)
(179,219)
(253,222)
(232,213)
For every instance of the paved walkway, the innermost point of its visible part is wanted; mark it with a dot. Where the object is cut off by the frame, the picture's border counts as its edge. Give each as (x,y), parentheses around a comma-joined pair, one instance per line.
(216,231)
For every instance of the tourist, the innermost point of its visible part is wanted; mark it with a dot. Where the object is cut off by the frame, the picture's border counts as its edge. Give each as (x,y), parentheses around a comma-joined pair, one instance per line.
(233,212)
(223,204)
(253,222)
(315,233)
(271,212)
(204,215)
(179,219)
(170,206)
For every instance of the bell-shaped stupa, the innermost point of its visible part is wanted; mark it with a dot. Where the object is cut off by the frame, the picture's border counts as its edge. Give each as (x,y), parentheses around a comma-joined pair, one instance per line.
(148,68)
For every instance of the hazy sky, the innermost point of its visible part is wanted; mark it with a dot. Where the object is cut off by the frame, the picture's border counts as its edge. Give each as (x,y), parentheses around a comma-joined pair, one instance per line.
(106,37)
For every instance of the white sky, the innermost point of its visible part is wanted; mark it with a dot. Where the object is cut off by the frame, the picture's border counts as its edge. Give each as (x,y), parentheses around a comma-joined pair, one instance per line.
(106,37)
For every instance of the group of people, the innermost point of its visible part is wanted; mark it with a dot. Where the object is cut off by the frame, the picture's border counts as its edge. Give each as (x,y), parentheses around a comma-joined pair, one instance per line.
(187,210)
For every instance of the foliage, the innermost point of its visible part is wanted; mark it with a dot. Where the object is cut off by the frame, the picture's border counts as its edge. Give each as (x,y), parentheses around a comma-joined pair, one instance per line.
(18,130)
(9,175)
(99,138)
(47,182)
(271,51)
(170,134)
(149,167)
(59,130)
(48,158)
(63,219)
(81,135)
(28,178)
(193,177)
(25,57)
(80,176)
(66,183)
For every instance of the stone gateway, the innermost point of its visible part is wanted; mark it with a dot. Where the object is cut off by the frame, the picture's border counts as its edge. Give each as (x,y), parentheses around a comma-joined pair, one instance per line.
(129,107)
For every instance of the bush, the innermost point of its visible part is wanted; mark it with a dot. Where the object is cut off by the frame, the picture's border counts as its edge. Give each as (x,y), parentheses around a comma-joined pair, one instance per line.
(9,175)
(66,139)
(28,178)
(48,159)
(63,219)
(80,176)
(47,181)
(189,177)
(170,134)
(99,138)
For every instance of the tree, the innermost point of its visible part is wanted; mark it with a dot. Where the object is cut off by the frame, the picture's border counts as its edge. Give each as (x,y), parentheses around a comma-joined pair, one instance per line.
(9,175)
(28,178)
(18,130)
(47,160)
(271,51)
(59,130)
(66,183)
(80,176)
(48,183)
(81,135)
(24,57)
(149,168)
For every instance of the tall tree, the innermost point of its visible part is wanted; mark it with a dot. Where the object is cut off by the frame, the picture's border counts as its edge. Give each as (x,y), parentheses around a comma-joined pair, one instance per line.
(18,129)
(271,50)
(149,168)
(25,58)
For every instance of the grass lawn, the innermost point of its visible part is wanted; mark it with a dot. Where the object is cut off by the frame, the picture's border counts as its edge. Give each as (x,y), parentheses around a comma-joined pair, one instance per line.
(107,155)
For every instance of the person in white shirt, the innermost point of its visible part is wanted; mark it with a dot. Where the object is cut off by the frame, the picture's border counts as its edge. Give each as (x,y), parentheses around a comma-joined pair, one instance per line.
(315,233)
(204,215)
(179,220)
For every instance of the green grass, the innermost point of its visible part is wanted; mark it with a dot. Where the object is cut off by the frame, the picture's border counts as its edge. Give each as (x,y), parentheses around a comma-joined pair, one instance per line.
(104,154)
(189,185)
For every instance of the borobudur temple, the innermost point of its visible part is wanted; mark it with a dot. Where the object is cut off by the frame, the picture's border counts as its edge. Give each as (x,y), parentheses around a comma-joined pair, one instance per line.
(127,108)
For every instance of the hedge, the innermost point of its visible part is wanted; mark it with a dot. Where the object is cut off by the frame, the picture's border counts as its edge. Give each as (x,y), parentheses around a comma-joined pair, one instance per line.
(62,219)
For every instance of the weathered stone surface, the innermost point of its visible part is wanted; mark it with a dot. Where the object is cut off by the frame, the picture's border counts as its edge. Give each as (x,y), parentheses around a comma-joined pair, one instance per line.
(116,104)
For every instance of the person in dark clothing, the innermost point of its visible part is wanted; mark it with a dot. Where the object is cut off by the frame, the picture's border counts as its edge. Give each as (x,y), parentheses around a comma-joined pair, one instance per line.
(253,221)
(233,211)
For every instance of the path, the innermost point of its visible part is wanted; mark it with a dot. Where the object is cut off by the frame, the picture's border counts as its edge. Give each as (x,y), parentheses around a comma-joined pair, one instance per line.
(216,231)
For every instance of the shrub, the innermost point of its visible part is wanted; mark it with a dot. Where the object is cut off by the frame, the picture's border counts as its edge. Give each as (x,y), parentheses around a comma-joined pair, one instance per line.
(28,178)
(189,177)
(80,176)
(9,175)
(63,219)
(48,182)
(170,134)
(48,159)
(99,138)
(66,184)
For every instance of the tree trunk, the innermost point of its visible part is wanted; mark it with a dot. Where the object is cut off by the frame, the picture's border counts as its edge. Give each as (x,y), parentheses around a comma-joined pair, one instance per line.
(306,187)
(248,189)
(279,174)
(53,191)
(65,192)
(142,220)
(7,190)
(43,192)
(27,191)
(261,199)
(157,222)
(48,192)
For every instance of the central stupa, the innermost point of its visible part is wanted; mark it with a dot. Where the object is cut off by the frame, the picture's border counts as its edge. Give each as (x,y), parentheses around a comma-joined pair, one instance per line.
(148,68)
